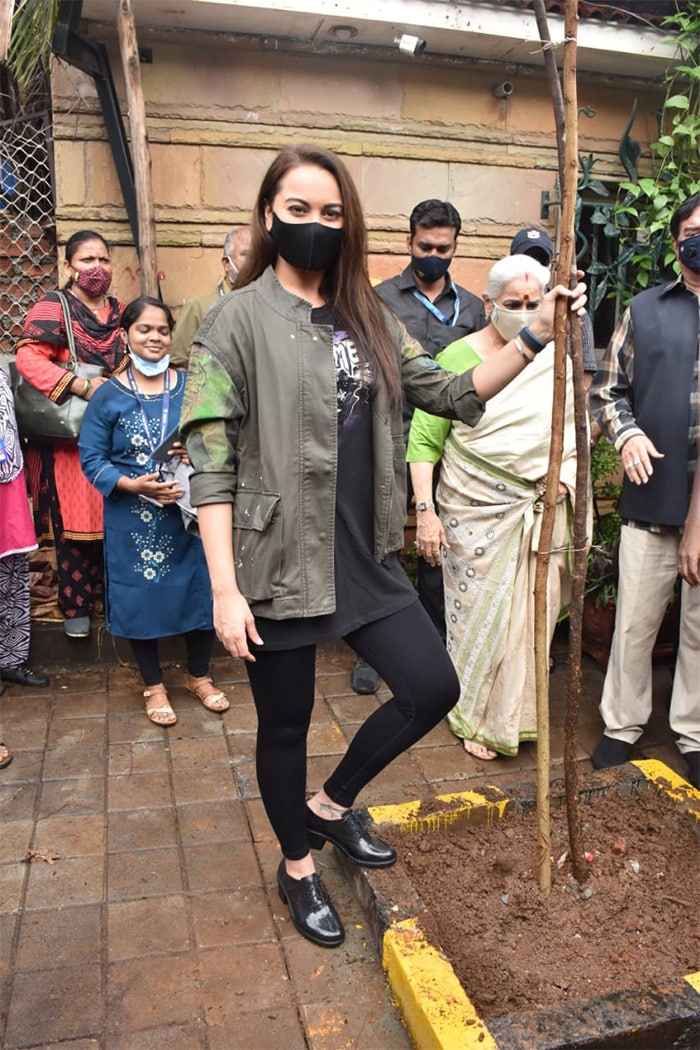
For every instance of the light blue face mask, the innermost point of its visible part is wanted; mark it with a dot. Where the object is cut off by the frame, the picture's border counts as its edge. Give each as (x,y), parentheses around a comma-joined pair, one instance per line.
(149,368)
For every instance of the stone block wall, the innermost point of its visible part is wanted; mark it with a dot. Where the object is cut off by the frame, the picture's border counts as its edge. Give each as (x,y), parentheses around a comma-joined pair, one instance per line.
(218,110)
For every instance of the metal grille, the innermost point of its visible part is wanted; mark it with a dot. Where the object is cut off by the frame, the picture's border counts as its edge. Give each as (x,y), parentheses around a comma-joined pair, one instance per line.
(27,221)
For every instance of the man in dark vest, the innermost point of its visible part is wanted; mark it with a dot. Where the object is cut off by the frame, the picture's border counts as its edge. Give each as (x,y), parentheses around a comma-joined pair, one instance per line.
(645,397)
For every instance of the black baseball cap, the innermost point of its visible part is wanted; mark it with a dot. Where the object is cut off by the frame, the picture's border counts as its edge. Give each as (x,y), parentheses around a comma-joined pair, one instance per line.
(534,242)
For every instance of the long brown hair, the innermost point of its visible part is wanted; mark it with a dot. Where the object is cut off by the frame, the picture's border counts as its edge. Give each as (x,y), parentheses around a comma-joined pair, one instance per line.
(346,285)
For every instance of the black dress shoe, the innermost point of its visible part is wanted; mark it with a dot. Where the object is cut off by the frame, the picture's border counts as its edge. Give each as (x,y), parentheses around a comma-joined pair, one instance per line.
(364,679)
(310,908)
(23,675)
(351,835)
(693,760)
(610,752)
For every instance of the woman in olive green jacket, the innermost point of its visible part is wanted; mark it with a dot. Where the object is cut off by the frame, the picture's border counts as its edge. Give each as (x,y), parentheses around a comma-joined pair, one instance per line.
(292,419)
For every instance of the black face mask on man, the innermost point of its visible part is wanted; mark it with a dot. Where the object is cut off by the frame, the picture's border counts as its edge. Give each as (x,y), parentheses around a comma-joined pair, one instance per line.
(430,268)
(689,253)
(307,245)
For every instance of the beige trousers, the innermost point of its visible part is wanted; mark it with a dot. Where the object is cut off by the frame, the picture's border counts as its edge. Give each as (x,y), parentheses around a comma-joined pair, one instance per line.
(648,570)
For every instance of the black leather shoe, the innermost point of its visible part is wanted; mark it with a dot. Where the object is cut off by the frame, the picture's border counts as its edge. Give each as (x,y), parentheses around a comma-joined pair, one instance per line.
(310,908)
(23,675)
(364,679)
(610,752)
(351,835)
(693,760)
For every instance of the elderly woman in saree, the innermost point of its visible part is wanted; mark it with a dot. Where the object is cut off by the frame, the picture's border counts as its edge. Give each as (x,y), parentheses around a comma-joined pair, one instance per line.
(490,498)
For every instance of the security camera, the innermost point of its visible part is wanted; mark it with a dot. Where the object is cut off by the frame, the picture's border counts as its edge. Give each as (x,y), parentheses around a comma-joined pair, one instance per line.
(410,45)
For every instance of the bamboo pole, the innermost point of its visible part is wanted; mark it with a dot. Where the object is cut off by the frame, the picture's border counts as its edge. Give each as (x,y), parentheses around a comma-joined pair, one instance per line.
(566,123)
(6,11)
(128,48)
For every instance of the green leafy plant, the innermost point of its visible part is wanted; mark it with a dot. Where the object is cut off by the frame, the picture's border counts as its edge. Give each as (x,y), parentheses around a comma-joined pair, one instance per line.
(643,214)
(602,570)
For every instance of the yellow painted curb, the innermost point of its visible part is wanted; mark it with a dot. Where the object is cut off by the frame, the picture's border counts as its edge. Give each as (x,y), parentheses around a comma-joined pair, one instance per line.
(469,805)
(437,1013)
(671,783)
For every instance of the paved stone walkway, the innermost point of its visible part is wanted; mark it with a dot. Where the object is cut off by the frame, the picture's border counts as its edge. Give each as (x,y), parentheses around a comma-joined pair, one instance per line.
(148,917)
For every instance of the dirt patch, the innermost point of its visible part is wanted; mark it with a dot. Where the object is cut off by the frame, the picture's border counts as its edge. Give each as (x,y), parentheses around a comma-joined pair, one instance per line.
(630,925)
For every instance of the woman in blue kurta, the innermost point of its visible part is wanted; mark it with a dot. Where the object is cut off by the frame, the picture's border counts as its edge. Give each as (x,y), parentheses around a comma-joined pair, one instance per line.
(157,584)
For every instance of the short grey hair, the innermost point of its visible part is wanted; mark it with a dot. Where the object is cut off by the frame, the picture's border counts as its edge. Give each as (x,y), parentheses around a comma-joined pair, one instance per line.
(512,267)
(231,239)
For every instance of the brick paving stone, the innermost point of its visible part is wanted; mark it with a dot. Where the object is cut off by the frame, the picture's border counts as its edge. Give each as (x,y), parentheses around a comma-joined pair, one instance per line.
(217,783)
(69,936)
(143,873)
(128,792)
(245,977)
(212,822)
(166,1037)
(267,1030)
(152,991)
(144,756)
(69,880)
(16,839)
(232,917)
(71,836)
(221,866)
(146,927)
(74,797)
(69,1005)
(140,828)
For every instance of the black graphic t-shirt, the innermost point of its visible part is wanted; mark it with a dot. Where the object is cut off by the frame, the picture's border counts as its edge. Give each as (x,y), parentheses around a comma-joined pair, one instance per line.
(365,590)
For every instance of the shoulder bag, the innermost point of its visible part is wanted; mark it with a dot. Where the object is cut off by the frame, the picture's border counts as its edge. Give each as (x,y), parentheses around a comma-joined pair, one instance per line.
(38,417)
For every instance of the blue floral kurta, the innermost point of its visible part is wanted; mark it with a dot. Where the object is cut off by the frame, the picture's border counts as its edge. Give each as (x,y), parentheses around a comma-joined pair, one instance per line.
(156,579)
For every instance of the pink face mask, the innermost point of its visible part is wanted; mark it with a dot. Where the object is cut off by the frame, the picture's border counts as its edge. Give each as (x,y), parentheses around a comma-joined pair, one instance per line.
(94,282)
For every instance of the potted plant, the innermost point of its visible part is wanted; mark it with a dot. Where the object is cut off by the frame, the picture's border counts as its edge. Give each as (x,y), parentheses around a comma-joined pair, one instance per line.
(600,595)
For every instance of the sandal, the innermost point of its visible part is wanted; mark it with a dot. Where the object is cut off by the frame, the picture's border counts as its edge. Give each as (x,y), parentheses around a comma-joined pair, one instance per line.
(205,690)
(5,756)
(163,715)
(478,751)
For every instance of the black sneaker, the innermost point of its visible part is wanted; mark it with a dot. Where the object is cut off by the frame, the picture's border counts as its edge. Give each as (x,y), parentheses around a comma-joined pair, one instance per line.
(23,675)
(611,752)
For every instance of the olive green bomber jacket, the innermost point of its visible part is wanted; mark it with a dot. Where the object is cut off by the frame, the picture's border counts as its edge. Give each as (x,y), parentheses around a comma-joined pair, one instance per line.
(260,422)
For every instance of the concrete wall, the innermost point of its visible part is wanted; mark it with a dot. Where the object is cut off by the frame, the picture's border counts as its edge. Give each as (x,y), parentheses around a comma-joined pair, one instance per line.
(408,129)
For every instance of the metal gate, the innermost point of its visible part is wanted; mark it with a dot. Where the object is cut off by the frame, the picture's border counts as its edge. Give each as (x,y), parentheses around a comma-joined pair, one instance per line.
(27,220)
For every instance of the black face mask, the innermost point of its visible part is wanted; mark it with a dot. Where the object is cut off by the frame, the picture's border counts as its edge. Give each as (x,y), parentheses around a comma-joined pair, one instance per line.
(430,268)
(306,245)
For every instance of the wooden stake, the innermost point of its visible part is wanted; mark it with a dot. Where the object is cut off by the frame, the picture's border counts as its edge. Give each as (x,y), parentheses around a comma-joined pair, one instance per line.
(6,11)
(566,122)
(128,48)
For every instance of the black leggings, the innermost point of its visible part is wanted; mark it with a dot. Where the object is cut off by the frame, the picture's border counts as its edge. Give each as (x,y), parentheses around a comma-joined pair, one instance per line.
(145,650)
(408,653)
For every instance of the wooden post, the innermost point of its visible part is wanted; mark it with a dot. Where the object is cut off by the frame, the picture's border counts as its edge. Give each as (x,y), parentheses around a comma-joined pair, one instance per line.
(566,122)
(6,10)
(128,48)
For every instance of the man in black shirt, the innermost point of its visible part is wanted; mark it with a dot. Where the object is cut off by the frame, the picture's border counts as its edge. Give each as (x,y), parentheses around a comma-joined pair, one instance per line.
(436,311)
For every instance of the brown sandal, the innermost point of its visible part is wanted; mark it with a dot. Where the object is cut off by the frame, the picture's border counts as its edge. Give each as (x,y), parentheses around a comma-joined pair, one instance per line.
(163,715)
(205,690)
(5,756)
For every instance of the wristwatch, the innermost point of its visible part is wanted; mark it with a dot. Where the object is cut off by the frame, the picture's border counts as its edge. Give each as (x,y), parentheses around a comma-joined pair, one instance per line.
(425,506)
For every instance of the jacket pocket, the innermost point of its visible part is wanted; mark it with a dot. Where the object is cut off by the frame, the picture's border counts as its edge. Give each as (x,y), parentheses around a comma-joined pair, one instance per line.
(257,543)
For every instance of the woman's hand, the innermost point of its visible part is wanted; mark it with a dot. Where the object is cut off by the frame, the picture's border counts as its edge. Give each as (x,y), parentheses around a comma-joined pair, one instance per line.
(430,536)
(178,449)
(150,485)
(234,624)
(543,325)
(95,384)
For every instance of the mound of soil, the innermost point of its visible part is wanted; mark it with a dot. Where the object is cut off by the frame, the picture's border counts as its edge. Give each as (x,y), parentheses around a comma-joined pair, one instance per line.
(630,925)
